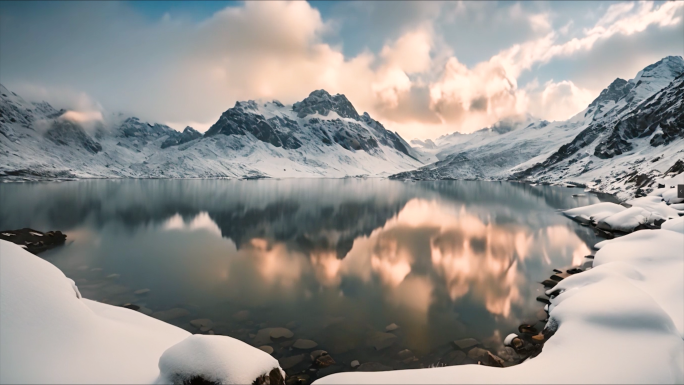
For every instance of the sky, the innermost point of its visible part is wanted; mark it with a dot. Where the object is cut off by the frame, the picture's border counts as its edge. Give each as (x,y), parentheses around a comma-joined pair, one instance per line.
(423,69)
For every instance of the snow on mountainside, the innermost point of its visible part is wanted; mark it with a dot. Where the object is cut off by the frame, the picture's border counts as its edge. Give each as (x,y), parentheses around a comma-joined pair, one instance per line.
(632,132)
(321,136)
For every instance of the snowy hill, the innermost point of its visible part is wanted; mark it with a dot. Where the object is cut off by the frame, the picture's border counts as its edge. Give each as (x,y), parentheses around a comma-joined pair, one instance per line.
(321,136)
(633,130)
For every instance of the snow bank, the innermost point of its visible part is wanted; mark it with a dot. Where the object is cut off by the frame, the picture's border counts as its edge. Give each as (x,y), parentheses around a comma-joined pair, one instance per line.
(627,220)
(676,224)
(655,205)
(620,322)
(217,359)
(595,212)
(49,334)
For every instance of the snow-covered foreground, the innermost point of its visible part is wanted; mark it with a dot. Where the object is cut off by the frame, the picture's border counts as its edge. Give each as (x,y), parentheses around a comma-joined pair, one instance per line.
(49,334)
(620,322)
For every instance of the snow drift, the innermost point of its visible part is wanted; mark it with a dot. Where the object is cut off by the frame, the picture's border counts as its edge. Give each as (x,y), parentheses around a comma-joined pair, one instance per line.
(50,334)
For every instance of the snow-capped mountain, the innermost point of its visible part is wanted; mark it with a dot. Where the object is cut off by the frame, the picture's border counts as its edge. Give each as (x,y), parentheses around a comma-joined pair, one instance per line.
(321,136)
(632,132)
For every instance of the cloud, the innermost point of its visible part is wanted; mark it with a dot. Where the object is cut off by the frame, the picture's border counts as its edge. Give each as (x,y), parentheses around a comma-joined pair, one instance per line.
(417,73)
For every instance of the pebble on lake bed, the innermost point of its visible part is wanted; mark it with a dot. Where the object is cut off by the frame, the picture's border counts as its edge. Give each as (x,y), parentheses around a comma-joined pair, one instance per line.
(141,291)
(281,333)
(355,363)
(304,344)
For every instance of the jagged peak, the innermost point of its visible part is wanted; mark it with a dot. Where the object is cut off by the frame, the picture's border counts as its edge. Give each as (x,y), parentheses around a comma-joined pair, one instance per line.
(321,102)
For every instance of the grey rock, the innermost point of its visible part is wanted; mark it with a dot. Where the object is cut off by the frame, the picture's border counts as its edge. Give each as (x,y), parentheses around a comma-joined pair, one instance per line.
(266,348)
(391,327)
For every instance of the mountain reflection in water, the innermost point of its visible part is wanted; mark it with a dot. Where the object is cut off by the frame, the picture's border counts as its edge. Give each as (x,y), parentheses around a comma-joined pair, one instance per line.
(340,258)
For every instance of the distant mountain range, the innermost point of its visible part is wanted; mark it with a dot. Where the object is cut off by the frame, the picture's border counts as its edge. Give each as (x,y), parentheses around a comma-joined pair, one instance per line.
(630,134)
(321,136)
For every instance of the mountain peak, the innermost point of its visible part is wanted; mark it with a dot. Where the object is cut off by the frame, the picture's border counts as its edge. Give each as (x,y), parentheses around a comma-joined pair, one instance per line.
(321,102)
(668,67)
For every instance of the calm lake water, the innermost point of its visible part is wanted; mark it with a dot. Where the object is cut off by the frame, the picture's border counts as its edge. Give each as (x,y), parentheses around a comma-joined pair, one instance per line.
(335,261)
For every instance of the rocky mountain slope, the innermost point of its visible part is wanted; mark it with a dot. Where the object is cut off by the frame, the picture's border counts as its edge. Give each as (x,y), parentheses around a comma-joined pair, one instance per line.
(630,134)
(321,136)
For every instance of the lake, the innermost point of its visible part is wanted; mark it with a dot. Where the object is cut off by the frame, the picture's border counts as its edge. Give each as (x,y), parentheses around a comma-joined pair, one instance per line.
(335,261)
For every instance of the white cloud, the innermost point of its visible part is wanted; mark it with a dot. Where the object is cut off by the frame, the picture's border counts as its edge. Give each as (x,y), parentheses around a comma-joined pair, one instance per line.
(177,71)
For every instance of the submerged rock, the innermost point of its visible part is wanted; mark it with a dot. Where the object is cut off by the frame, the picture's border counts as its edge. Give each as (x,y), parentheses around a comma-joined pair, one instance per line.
(381,340)
(141,291)
(355,364)
(289,362)
(281,333)
(391,327)
(267,349)
(304,344)
(203,324)
(466,343)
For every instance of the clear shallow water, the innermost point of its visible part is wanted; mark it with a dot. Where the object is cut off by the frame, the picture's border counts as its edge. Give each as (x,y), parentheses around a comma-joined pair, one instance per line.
(336,261)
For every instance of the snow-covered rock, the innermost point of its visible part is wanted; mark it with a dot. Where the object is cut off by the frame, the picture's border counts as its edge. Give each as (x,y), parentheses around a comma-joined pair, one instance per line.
(215,359)
(321,136)
(595,212)
(620,322)
(49,334)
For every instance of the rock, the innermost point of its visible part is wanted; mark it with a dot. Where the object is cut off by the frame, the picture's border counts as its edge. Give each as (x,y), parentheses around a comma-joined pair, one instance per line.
(466,343)
(203,324)
(274,377)
(544,299)
(355,364)
(170,314)
(242,315)
(549,283)
(317,353)
(507,353)
(381,340)
(266,348)
(455,357)
(131,306)
(289,362)
(113,276)
(477,354)
(391,327)
(304,344)
(281,333)
(527,329)
(574,270)
(141,291)
(324,361)
(485,357)
(373,367)
(211,332)
(404,354)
